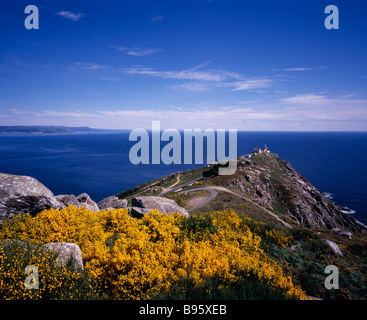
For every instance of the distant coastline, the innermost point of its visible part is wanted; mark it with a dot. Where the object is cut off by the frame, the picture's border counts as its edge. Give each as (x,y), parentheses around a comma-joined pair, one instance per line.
(46,129)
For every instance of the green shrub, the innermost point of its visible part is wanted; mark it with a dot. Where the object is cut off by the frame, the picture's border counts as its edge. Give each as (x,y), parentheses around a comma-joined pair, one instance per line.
(198,224)
(55,281)
(216,288)
(358,249)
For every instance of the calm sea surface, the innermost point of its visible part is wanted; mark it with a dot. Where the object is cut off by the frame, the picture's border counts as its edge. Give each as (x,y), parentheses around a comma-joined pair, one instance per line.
(98,163)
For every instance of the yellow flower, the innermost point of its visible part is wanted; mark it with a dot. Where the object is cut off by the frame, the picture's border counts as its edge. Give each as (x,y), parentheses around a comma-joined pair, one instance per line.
(136,258)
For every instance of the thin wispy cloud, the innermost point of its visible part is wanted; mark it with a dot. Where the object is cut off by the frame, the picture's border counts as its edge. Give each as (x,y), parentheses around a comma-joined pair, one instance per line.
(246,85)
(54,113)
(157,18)
(193,86)
(200,79)
(294,69)
(252,84)
(138,52)
(202,75)
(70,15)
(201,65)
(299,69)
(293,113)
(91,66)
(323,100)
(323,108)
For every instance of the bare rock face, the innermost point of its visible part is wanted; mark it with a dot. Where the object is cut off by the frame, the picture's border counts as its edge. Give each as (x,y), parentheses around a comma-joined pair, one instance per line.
(161,204)
(139,212)
(277,186)
(23,194)
(67,252)
(112,203)
(68,200)
(86,201)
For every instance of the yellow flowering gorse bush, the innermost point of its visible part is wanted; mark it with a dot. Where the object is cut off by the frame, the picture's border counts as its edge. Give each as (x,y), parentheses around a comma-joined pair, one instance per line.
(137,258)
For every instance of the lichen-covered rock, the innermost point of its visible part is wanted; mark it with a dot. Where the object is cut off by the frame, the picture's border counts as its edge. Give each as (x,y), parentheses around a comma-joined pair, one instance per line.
(112,203)
(80,201)
(346,234)
(68,200)
(161,204)
(333,246)
(85,201)
(67,252)
(23,194)
(137,212)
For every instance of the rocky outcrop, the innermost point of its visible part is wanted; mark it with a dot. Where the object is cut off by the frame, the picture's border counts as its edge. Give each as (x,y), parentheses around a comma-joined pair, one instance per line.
(80,201)
(346,234)
(139,212)
(23,194)
(85,201)
(26,195)
(68,200)
(142,205)
(277,186)
(333,246)
(67,253)
(112,203)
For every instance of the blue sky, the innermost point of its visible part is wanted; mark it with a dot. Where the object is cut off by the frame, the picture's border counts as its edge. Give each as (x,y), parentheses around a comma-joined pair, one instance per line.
(245,65)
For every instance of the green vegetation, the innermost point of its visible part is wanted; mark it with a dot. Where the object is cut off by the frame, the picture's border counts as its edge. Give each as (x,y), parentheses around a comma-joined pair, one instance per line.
(150,188)
(211,255)
(227,201)
(55,281)
(192,175)
(300,252)
(186,199)
(216,289)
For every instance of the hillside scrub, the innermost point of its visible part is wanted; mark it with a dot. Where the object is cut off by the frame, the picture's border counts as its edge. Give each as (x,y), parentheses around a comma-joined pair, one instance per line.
(152,257)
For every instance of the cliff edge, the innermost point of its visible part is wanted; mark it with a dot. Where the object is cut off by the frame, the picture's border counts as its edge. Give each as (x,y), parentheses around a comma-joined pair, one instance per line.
(277,186)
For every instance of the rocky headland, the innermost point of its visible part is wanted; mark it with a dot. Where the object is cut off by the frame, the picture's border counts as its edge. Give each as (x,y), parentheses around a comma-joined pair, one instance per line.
(305,229)
(262,178)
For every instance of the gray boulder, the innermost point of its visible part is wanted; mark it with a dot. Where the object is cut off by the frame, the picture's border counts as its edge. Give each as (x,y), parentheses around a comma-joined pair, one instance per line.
(23,194)
(67,251)
(80,201)
(161,204)
(68,200)
(112,203)
(333,246)
(138,212)
(85,201)
(346,234)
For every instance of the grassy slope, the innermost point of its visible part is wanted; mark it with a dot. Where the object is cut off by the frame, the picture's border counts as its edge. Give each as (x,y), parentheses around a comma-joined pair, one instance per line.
(307,262)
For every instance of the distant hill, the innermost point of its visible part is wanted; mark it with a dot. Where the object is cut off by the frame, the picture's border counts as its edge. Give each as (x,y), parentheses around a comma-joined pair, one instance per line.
(43,129)
(263,187)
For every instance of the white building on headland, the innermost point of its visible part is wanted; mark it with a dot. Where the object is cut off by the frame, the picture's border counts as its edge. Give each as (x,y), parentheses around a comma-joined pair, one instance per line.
(261,150)
(256,151)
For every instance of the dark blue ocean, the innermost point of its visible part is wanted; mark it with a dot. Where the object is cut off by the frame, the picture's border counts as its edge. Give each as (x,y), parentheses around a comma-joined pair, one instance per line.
(98,163)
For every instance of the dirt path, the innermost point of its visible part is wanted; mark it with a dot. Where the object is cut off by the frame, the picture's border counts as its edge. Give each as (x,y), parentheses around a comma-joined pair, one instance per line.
(168,189)
(204,200)
(214,193)
(195,202)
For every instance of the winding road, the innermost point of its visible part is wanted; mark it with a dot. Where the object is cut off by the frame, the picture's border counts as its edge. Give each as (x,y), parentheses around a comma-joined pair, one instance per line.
(213,194)
(169,189)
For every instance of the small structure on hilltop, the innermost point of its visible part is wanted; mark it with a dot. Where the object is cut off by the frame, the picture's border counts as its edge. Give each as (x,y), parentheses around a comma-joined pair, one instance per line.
(257,151)
(261,150)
